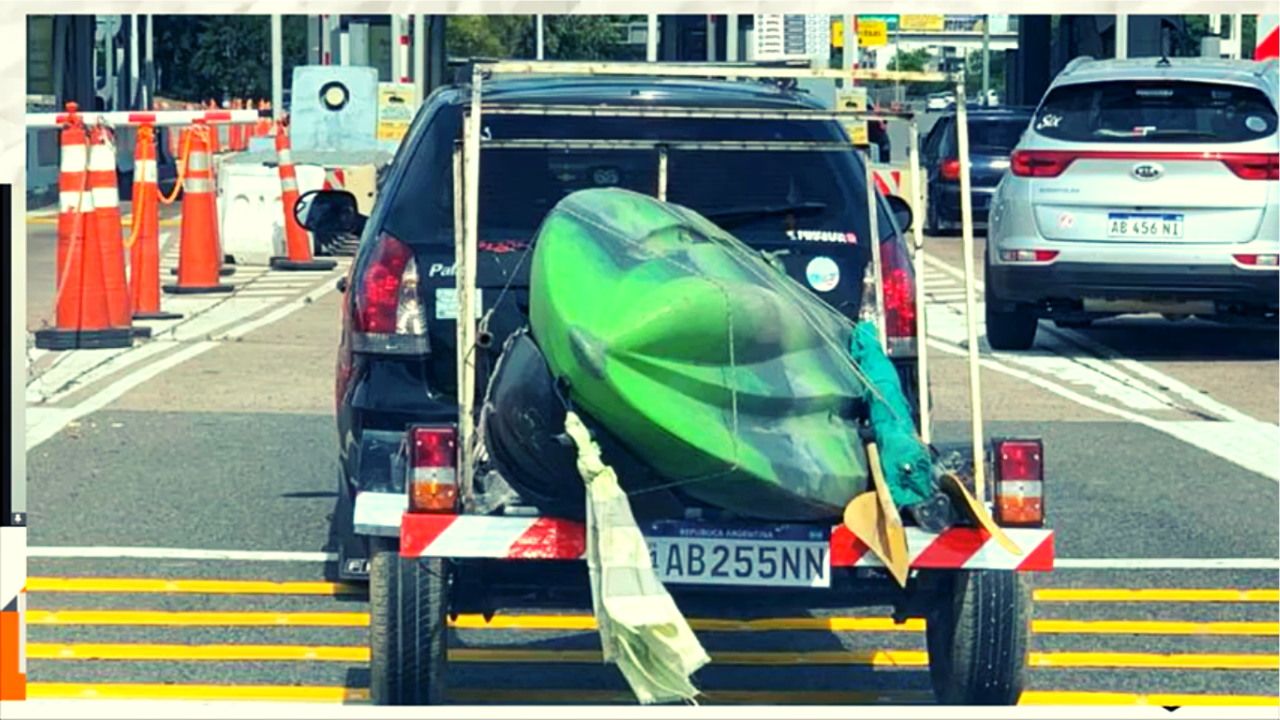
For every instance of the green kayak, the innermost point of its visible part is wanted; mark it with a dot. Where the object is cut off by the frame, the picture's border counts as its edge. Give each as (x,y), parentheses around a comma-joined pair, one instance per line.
(728,379)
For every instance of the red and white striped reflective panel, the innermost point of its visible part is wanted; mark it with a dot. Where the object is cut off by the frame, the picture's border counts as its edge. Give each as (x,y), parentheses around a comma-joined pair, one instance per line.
(541,538)
(1268,37)
(888,181)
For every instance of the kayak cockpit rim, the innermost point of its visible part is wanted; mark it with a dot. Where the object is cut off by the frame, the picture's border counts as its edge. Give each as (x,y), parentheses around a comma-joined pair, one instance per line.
(467,186)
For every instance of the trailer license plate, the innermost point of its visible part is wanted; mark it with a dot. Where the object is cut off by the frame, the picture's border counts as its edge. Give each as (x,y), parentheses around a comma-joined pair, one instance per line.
(1139,226)
(762,555)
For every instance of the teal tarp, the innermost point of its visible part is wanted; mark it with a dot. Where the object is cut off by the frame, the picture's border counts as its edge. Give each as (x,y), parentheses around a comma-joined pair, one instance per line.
(908,467)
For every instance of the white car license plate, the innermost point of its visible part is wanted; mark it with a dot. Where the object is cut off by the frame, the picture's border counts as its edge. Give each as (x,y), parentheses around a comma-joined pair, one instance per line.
(1139,225)
(768,555)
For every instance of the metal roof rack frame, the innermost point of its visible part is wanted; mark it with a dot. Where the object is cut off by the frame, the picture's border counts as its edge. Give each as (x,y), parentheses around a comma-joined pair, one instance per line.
(477,72)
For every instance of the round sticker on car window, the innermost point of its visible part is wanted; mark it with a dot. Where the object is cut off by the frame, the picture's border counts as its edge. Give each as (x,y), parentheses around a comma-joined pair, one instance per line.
(1255,123)
(823,274)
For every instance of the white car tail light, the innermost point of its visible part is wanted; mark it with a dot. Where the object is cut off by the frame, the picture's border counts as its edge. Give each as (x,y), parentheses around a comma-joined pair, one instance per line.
(431,470)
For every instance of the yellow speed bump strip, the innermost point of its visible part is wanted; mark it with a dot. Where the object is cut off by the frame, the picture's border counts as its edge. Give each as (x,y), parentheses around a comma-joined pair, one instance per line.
(587,623)
(287,693)
(255,587)
(874,658)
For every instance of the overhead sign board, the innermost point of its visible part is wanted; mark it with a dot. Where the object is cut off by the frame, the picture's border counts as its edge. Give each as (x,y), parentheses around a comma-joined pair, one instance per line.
(922,23)
(872,33)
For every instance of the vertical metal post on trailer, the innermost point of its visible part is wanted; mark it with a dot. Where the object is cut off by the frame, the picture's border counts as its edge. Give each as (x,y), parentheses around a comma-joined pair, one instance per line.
(917,261)
(970,303)
(466,281)
(662,173)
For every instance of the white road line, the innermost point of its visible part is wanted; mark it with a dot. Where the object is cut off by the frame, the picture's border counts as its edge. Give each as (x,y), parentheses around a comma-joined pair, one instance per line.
(53,423)
(1207,436)
(49,421)
(49,393)
(278,556)
(178,554)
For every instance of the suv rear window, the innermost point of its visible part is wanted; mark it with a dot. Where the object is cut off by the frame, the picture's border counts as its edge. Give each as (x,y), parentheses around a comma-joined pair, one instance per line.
(990,136)
(1156,111)
(519,186)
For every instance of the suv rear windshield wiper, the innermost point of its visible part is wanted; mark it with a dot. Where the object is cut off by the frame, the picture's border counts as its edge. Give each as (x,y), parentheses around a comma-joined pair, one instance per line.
(741,215)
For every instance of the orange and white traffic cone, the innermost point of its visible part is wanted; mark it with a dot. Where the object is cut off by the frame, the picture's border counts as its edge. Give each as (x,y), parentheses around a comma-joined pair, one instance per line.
(200,254)
(144,238)
(297,240)
(81,315)
(104,183)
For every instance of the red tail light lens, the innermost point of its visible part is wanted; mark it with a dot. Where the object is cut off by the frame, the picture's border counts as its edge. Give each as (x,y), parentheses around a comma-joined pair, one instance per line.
(389,317)
(1020,459)
(1039,163)
(899,299)
(1028,255)
(950,169)
(1262,261)
(1254,166)
(432,483)
(1019,482)
(378,292)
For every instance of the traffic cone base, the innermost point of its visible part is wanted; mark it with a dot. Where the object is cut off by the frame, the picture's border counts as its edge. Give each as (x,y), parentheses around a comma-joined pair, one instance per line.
(162,315)
(54,339)
(284,263)
(179,290)
(224,271)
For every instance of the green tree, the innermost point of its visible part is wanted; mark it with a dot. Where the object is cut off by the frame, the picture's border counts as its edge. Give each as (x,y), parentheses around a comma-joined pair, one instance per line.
(973,74)
(565,37)
(207,57)
(911,60)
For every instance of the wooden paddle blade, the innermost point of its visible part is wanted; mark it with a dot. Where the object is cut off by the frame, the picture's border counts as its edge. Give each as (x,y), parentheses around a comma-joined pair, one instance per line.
(865,518)
(977,512)
(895,535)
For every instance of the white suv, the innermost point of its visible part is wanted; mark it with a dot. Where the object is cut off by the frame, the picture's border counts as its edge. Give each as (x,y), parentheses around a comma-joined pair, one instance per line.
(1142,186)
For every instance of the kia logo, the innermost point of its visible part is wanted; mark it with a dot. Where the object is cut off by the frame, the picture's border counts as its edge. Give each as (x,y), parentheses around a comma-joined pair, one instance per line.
(1147,171)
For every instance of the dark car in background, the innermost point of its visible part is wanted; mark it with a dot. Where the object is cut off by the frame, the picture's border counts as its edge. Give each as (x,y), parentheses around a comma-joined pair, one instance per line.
(397,355)
(993,133)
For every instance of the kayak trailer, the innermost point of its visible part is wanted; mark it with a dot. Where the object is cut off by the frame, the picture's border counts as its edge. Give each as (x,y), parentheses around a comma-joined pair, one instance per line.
(433,563)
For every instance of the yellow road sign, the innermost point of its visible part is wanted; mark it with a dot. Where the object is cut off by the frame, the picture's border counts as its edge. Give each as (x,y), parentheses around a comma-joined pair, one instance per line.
(873,33)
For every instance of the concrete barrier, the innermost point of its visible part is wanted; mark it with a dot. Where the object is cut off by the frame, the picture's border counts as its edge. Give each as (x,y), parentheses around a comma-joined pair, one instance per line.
(250,213)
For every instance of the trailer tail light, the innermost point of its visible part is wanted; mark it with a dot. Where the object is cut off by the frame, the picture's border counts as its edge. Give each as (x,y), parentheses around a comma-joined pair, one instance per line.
(1028,255)
(432,469)
(949,169)
(389,319)
(1019,482)
(1258,261)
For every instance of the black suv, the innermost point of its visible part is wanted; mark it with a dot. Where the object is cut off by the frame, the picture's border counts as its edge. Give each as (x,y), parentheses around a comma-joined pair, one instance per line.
(396,361)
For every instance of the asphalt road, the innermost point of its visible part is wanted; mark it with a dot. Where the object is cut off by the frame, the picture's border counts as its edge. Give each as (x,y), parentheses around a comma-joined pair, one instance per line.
(1157,450)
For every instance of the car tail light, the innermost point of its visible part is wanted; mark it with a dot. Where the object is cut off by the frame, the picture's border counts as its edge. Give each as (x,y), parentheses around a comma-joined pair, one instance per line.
(1040,163)
(1019,466)
(1028,255)
(1260,261)
(388,314)
(1254,166)
(899,299)
(432,469)
(950,169)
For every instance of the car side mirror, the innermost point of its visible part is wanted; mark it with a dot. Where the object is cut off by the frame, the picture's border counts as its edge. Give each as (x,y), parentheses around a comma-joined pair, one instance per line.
(328,211)
(901,211)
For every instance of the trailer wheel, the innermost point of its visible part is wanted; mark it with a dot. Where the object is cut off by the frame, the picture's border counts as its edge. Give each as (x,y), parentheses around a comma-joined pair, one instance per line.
(977,638)
(408,627)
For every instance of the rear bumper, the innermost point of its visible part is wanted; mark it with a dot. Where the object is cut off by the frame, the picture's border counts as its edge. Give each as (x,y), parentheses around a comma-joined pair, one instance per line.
(947,197)
(1074,281)
(544,538)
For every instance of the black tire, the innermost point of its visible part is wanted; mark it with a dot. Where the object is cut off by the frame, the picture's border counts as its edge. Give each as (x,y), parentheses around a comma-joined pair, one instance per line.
(977,639)
(1008,329)
(408,627)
